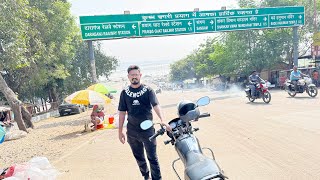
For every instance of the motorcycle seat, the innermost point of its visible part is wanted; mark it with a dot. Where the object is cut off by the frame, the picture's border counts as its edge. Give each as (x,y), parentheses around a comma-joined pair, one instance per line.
(199,166)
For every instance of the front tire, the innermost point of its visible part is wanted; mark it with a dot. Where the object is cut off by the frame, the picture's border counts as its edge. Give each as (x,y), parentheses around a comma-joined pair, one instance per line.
(312,91)
(266,97)
(78,110)
(292,93)
(251,99)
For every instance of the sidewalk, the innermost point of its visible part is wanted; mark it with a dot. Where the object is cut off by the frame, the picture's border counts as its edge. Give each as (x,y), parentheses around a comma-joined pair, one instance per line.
(89,159)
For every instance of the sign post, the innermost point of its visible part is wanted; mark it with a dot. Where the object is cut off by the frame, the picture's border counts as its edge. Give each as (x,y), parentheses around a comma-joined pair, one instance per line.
(192,22)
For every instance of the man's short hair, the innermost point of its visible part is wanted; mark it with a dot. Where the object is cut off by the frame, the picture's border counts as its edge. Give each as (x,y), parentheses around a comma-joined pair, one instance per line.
(133,67)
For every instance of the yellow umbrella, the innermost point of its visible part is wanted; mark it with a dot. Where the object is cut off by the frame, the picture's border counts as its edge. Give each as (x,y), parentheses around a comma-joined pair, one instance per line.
(102,88)
(87,97)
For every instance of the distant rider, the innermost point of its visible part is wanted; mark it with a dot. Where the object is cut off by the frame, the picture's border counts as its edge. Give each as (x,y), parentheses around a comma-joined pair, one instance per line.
(253,80)
(295,76)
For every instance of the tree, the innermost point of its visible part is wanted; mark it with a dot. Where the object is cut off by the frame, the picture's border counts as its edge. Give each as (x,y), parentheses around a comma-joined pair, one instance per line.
(59,35)
(15,52)
(80,75)
(204,66)
(40,51)
(182,69)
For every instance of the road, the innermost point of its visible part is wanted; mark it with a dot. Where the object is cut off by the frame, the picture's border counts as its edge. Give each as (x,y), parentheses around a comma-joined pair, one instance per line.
(256,141)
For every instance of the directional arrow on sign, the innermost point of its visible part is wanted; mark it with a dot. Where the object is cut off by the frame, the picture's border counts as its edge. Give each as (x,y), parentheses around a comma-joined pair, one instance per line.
(133,26)
(257,11)
(211,22)
(300,17)
(265,19)
(189,23)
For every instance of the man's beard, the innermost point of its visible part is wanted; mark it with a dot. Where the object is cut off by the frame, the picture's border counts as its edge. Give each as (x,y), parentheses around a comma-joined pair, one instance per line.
(135,81)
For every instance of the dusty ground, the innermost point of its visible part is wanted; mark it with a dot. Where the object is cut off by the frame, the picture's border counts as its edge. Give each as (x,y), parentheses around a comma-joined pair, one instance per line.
(279,140)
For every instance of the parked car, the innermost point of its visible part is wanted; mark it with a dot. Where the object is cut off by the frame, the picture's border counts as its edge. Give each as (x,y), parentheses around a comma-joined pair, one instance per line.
(67,109)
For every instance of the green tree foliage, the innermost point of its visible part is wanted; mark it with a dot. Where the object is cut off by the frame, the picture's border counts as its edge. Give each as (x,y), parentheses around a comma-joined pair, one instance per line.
(182,69)
(41,52)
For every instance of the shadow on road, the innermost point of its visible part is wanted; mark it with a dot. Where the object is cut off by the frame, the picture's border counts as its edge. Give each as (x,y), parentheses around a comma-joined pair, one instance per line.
(69,135)
(77,122)
(303,97)
(258,103)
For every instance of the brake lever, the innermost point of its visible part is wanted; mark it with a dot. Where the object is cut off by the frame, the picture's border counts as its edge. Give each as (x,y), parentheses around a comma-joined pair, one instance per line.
(161,131)
(167,142)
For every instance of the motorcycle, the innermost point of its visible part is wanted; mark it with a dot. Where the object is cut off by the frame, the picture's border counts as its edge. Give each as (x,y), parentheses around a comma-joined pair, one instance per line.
(197,166)
(303,84)
(262,91)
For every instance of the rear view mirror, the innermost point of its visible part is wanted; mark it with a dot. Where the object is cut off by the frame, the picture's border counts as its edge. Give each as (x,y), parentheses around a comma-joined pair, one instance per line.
(146,124)
(203,101)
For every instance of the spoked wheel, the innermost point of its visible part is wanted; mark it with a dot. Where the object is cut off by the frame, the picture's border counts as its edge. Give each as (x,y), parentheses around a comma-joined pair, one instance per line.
(312,91)
(251,99)
(292,93)
(266,97)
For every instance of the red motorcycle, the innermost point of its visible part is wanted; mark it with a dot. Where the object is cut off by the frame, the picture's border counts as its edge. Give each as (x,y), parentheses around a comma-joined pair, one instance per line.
(261,92)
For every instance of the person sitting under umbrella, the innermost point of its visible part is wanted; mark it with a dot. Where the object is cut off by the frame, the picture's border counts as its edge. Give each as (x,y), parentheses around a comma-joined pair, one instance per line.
(5,119)
(97,116)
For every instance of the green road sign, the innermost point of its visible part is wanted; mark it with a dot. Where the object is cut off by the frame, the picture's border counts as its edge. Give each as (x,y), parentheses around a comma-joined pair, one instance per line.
(179,23)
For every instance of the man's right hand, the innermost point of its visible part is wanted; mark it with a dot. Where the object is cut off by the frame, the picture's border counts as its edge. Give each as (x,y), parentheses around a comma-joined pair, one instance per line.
(122,137)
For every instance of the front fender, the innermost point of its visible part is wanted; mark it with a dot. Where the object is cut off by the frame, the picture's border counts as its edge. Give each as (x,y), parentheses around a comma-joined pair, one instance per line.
(311,85)
(287,87)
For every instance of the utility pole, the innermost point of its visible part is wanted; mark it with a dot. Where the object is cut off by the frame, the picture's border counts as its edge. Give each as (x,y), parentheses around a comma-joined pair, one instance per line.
(315,16)
(295,46)
(94,78)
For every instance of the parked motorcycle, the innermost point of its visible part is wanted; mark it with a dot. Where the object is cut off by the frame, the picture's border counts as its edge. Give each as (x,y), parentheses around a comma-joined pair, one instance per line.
(197,165)
(262,91)
(303,84)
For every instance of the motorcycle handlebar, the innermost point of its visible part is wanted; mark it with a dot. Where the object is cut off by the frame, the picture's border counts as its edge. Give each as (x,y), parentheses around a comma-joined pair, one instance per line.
(159,132)
(162,130)
(153,136)
(204,115)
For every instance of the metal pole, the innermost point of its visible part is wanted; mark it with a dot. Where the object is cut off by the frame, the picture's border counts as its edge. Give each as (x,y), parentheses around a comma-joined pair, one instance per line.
(315,16)
(92,63)
(295,46)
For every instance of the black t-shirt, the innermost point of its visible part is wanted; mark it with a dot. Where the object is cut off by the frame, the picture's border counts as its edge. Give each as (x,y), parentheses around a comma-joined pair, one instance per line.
(138,102)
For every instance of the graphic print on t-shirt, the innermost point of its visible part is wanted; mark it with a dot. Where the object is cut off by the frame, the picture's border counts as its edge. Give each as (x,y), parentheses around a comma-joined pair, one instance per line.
(135,102)
(136,94)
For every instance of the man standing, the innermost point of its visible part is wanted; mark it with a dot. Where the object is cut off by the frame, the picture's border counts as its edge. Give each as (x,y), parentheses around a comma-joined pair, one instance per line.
(137,100)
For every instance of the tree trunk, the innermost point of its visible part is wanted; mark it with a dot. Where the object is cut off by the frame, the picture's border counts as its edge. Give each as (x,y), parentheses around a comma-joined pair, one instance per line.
(93,71)
(54,95)
(26,116)
(94,78)
(16,106)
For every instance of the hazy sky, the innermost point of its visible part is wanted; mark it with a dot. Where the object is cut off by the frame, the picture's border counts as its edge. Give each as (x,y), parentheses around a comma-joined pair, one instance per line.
(155,48)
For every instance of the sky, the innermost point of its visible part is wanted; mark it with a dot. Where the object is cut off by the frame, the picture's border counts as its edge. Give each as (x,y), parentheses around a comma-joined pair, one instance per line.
(167,48)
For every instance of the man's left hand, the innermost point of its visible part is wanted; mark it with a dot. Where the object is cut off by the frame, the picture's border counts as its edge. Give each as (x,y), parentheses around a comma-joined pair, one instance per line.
(168,128)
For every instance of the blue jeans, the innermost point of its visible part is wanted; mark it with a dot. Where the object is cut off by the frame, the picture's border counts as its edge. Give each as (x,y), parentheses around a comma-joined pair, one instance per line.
(138,142)
(253,89)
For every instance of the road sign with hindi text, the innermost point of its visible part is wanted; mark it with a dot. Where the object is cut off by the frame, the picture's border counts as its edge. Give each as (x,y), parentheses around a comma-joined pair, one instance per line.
(179,23)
